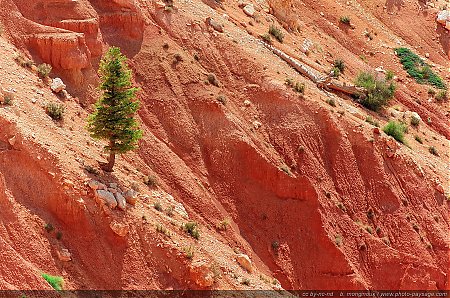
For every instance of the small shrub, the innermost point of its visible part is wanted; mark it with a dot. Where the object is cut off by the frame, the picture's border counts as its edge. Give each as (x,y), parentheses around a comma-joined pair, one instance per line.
(431,92)
(433,150)
(192,229)
(338,240)
(246,282)
(57,282)
(275,246)
(23,61)
(339,64)
(222,99)
(418,139)
(59,235)
(8,99)
(299,87)
(189,252)
(331,102)
(161,229)
(150,181)
(55,110)
(223,225)
(370,120)
(379,91)
(395,130)
(170,211)
(276,32)
(335,72)
(345,20)
(44,70)
(441,95)
(389,75)
(49,227)
(369,229)
(212,79)
(266,37)
(158,206)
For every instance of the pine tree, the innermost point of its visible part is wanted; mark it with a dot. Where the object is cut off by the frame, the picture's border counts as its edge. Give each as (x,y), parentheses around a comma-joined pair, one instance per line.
(113,117)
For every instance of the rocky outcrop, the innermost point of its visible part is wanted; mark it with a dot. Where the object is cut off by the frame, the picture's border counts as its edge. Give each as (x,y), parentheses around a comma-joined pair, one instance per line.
(443,18)
(65,51)
(57,85)
(245,262)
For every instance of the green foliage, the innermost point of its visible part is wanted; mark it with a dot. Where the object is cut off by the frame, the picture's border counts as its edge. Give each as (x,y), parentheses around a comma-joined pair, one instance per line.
(8,99)
(345,20)
(395,130)
(335,72)
(370,120)
(418,69)
(418,139)
(55,110)
(23,61)
(331,102)
(339,64)
(276,32)
(296,86)
(379,91)
(49,227)
(192,229)
(57,282)
(223,225)
(441,95)
(44,70)
(389,75)
(189,252)
(113,117)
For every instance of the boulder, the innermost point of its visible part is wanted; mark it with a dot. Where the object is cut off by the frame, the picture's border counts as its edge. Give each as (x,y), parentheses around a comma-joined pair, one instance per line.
(216,26)
(130,196)
(249,10)
(94,185)
(201,274)
(443,16)
(119,228)
(245,262)
(57,85)
(415,117)
(121,202)
(106,197)
(64,255)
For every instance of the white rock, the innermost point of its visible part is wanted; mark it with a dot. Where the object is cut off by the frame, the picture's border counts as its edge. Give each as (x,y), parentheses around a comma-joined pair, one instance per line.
(443,16)
(416,116)
(57,85)
(249,10)
(121,202)
(107,197)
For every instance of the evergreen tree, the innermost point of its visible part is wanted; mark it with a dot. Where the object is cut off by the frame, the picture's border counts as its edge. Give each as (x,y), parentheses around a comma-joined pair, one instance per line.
(113,117)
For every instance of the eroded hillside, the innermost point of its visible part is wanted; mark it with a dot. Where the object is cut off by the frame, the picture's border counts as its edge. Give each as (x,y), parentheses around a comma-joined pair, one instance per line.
(315,195)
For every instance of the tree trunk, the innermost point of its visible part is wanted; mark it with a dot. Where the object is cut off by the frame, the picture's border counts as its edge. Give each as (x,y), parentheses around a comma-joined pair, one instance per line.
(108,167)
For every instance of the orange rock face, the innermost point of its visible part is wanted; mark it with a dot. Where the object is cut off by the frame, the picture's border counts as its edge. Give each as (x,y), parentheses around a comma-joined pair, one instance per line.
(287,190)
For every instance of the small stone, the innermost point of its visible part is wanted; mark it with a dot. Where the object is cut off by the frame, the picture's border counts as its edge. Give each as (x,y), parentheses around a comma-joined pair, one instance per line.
(64,255)
(130,196)
(119,228)
(249,10)
(245,262)
(121,202)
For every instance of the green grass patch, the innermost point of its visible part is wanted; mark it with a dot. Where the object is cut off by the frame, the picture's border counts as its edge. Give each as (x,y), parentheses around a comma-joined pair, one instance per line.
(57,282)
(418,69)
(396,130)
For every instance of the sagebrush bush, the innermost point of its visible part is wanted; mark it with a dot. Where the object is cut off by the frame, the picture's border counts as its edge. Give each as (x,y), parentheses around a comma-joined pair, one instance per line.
(192,229)
(44,70)
(396,130)
(55,110)
(379,91)
(441,95)
(339,64)
(276,32)
(345,20)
